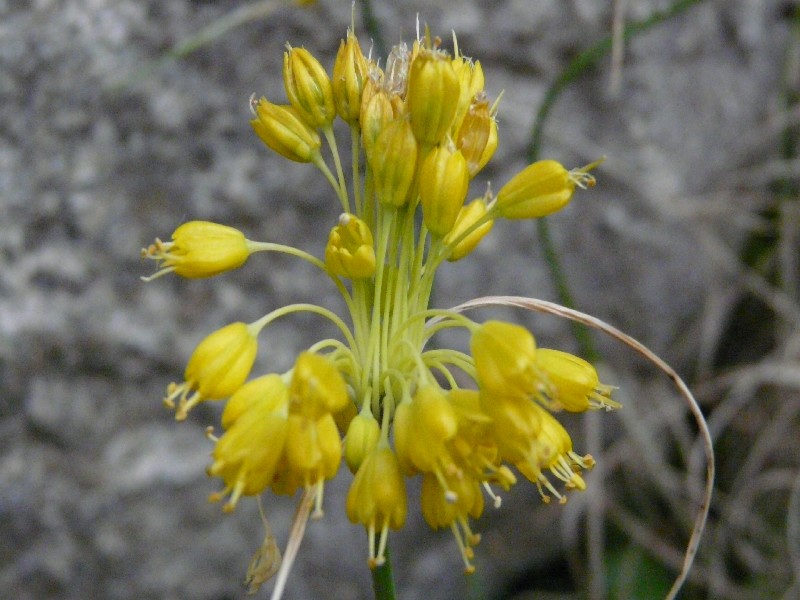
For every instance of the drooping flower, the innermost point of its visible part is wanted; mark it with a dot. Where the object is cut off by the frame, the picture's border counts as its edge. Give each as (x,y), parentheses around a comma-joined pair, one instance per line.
(377,499)
(247,455)
(217,368)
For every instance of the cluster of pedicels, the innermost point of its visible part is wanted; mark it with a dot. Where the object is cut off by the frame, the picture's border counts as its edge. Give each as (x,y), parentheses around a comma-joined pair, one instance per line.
(421,128)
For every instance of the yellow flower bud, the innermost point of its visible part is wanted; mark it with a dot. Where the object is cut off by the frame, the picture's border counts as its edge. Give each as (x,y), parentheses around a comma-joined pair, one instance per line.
(350,251)
(266,393)
(541,188)
(505,360)
(575,384)
(443,185)
(217,368)
(377,499)
(316,387)
(247,456)
(474,134)
(349,76)
(280,128)
(393,163)
(361,439)
(467,217)
(432,97)
(376,113)
(199,249)
(308,87)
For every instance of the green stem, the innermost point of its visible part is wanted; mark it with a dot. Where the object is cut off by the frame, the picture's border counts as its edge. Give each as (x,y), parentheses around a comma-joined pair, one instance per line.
(383,579)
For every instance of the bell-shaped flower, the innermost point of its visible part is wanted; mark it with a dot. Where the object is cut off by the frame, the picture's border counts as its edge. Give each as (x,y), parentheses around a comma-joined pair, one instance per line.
(377,499)
(541,188)
(451,504)
(265,393)
(422,426)
(247,456)
(316,387)
(575,386)
(505,360)
(199,249)
(217,368)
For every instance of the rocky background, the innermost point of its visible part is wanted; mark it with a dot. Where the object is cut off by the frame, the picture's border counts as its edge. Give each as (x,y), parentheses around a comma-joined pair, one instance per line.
(106,143)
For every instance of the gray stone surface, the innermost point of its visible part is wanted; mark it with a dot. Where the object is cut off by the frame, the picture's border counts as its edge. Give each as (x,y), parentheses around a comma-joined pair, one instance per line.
(102,495)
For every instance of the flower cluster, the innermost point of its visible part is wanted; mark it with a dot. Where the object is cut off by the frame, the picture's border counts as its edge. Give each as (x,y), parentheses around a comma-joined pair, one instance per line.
(421,129)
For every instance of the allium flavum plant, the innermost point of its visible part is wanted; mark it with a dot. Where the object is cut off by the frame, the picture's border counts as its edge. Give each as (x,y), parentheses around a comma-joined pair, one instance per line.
(421,129)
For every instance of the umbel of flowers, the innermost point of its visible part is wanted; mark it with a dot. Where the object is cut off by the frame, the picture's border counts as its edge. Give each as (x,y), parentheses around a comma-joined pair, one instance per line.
(421,129)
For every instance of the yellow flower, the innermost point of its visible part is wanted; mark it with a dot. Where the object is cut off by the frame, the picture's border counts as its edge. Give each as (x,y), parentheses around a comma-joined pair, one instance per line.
(422,425)
(473,449)
(556,455)
(308,87)
(432,97)
(316,387)
(266,393)
(217,368)
(247,455)
(505,360)
(468,217)
(313,449)
(515,426)
(575,384)
(443,185)
(377,499)
(199,249)
(280,128)
(441,509)
(540,189)
(350,251)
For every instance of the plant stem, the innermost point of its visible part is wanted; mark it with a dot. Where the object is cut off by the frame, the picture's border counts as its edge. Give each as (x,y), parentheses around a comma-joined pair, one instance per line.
(383,580)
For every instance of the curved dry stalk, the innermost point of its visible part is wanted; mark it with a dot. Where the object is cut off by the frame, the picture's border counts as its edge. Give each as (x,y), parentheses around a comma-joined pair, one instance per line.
(544,306)
(295,537)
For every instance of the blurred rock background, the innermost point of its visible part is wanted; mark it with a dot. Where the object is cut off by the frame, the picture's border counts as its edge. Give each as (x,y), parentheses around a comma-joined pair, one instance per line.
(689,243)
